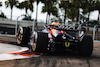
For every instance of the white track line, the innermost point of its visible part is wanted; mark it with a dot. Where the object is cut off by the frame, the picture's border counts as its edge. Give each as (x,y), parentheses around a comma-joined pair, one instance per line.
(12,49)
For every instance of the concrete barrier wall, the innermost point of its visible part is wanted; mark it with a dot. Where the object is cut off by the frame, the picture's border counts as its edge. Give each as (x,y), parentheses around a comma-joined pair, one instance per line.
(8,26)
(12,24)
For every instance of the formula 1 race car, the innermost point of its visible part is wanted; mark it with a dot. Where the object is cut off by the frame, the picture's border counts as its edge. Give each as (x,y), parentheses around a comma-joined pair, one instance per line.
(57,37)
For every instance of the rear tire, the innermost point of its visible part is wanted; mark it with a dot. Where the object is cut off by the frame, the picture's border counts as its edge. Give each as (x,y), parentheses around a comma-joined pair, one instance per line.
(42,42)
(85,47)
(23,36)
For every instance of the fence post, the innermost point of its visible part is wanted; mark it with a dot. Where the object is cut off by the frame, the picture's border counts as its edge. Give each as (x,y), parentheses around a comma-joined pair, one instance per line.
(94,32)
(17,24)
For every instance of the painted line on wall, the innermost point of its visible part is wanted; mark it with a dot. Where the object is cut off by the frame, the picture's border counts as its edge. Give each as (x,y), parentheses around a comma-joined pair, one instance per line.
(96,41)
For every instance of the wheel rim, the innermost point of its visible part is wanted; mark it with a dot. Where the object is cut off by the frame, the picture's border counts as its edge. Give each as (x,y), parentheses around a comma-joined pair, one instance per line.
(19,36)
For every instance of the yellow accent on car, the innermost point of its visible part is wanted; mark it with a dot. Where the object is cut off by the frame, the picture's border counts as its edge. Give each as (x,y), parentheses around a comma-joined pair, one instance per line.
(34,47)
(67,44)
(20,39)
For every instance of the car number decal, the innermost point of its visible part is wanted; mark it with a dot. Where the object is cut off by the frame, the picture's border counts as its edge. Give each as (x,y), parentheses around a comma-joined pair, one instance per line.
(67,44)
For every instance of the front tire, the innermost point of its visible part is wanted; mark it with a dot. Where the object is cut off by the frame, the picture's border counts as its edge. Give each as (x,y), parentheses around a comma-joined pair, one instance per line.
(85,47)
(23,36)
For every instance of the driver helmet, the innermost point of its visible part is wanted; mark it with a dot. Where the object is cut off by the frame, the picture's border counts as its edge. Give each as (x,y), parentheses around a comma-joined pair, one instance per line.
(56,23)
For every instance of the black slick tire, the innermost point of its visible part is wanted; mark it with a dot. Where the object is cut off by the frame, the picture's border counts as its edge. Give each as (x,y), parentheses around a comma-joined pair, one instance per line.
(42,42)
(23,36)
(85,47)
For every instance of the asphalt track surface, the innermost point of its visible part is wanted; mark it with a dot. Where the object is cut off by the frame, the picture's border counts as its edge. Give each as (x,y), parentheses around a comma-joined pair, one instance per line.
(68,59)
